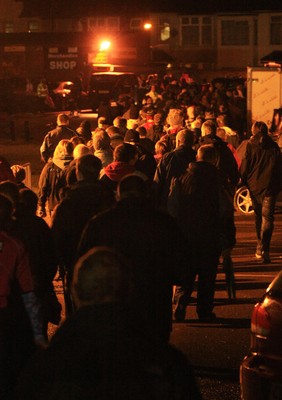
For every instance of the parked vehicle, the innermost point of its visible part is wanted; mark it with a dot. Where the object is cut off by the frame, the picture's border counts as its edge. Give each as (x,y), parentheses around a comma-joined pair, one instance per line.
(261,369)
(61,94)
(264,93)
(105,86)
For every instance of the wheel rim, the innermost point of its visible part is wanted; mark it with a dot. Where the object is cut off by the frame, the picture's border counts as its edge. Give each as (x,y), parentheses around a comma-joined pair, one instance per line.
(244,201)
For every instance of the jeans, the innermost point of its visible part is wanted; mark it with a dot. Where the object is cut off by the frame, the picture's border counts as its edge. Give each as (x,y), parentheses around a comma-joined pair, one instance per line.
(264,221)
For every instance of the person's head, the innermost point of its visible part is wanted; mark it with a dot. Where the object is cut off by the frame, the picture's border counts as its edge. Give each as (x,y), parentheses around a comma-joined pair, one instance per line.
(132,136)
(126,152)
(132,185)
(222,120)
(160,147)
(208,128)
(220,132)
(28,200)
(142,131)
(63,119)
(157,118)
(84,130)
(207,153)
(101,276)
(5,170)
(175,117)
(81,150)
(101,140)
(11,190)
(63,149)
(259,128)
(120,123)
(88,168)
(102,123)
(185,137)
(19,173)
(6,211)
(113,131)
(76,140)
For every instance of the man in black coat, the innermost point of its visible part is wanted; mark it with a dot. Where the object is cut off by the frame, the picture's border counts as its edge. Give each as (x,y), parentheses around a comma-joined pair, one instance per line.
(194,202)
(173,164)
(95,354)
(261,172)
(52,138)
(85,198)
(153,243)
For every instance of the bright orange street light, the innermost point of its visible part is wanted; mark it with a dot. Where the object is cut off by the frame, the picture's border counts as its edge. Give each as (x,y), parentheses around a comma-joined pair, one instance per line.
(105,45)
(147,25)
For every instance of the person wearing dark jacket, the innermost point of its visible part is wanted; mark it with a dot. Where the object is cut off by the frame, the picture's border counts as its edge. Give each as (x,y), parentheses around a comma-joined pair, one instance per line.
(172,165)
(152,241)
(83,200)
(52,178)
(261,172)
(52,138)
(125,157)
(95,354)
(20,322)
(194,202)
(146,162)
(228,179)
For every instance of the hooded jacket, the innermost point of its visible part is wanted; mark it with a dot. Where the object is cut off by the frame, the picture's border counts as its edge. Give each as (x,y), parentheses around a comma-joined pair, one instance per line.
(261,169)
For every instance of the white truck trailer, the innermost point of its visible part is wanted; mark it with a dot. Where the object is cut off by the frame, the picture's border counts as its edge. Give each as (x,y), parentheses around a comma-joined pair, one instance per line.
(264,93)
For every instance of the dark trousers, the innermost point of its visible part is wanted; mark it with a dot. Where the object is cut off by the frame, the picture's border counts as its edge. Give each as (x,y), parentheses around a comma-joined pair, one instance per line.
(264,220)
(205,269)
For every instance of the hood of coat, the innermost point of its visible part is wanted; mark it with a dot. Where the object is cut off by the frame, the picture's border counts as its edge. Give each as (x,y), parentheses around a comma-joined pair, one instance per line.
(62,162)
(117,170)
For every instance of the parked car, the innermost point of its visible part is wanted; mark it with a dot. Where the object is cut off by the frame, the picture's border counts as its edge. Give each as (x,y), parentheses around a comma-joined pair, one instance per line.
(105,86)
(261,369)
(61,94)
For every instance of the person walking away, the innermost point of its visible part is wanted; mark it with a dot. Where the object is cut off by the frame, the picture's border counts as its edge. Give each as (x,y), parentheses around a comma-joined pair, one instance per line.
(83,200)
(52,138)
(20,322)
(96,354)
(153,244)
(261,172)
(194,201)
(52,178)
(172,165)
(228,178)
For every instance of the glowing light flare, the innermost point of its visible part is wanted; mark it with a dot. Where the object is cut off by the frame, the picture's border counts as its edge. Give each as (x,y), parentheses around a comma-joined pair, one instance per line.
(105,45)
(147,25)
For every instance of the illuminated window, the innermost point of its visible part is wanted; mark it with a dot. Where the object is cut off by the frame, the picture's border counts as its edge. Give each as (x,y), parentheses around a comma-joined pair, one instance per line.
(113,23)
(136,23)
(235,33)
(33,26)
(196,31)
(101,22)
(9,27)
(276,30)
(92,22)
(165,29)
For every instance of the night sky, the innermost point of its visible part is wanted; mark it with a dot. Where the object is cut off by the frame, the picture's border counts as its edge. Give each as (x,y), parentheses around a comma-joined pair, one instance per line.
(111,7)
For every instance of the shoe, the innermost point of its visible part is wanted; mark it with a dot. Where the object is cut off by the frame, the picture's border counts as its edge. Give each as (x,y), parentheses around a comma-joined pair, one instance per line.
(208,318)
(258,254)
(180,311)
(265,258)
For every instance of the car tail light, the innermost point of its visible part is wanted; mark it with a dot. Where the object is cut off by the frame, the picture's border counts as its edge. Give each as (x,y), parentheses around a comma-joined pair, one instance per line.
(260,323)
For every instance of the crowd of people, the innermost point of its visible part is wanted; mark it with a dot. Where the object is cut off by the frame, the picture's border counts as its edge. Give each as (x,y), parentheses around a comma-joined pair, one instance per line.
(136,207)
